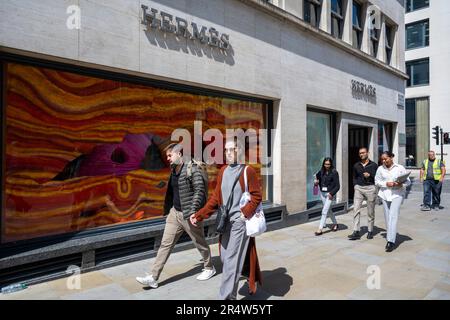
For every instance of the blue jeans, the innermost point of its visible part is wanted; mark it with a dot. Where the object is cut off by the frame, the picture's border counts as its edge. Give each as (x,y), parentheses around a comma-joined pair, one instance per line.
(432,188)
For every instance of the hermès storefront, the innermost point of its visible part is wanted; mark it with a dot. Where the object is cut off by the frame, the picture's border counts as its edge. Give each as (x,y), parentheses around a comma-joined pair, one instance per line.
(92,93)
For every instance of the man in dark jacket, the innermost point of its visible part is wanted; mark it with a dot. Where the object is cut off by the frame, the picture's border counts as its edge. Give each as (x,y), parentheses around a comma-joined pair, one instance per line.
(364,172)
(185,196)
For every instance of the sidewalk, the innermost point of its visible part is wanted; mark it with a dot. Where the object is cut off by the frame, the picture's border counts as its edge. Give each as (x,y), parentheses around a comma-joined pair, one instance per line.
(298,265)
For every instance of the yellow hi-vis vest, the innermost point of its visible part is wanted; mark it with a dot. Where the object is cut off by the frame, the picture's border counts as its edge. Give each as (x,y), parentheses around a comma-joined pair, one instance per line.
(437,172)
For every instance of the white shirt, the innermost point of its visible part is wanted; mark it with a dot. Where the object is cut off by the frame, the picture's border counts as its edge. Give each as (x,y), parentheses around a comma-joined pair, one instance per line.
(391,174)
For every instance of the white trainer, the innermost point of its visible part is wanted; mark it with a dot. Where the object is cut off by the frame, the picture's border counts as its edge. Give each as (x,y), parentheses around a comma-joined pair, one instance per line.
(206,274)
(148,281)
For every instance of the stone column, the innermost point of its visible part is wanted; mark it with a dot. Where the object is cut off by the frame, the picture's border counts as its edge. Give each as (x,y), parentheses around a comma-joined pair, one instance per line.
(295,7)
(381,54)
(395,48)
(341,160)
(348,21)
(325,16)
(365,42)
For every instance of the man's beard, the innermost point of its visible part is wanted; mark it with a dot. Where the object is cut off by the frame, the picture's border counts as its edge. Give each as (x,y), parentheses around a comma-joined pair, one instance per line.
(174,164)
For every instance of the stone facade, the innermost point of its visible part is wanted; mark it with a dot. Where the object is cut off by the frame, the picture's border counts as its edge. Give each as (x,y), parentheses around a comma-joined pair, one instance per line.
(273,55)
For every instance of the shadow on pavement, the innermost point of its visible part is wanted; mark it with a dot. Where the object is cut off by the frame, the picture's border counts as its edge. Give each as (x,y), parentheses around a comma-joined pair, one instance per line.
(376,230)
(275,283)
(193,271)
(399,239)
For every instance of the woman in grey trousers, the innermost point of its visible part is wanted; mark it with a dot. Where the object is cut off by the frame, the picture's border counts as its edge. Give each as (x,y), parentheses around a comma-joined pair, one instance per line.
(235,246)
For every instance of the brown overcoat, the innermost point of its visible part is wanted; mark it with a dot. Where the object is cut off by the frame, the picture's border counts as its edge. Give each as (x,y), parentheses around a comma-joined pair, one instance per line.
(251,265)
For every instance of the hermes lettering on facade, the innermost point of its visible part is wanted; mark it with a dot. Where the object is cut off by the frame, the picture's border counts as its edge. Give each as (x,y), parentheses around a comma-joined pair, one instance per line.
(166,22)
(361,88)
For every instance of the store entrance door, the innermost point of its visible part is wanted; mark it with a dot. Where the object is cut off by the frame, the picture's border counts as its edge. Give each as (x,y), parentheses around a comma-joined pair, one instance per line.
(358,137)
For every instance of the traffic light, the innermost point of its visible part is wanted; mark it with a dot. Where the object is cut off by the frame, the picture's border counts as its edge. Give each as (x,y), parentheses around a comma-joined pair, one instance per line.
(446,138)
(436,134)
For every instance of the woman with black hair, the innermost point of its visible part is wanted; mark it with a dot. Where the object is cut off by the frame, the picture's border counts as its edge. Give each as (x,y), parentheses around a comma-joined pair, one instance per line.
(328,181)
(392,193)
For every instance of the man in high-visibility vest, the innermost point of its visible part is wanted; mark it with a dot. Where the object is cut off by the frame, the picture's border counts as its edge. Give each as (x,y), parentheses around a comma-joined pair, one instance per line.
(432,174)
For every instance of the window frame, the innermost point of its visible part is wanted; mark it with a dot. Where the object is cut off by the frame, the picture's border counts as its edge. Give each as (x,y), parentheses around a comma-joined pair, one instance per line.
(426,37)
(374,38)
(115,76)
(317,4)
(410,64)
(390,33)
(413,9)
(332,137)
(337,16)
(358,29)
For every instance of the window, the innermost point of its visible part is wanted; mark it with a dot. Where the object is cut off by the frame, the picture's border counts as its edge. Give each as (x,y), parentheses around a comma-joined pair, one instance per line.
(418,72)
(311,12)
(418,34)
(278,3)
(319,145)
(390,34)
(385,141)
(337,19)
(412,5)
(417,115)
(293,6)
(84,151)
(357,25)
(374,42)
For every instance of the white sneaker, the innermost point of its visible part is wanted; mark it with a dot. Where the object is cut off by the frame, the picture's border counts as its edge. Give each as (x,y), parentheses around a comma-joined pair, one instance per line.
(206,274)
(148,281)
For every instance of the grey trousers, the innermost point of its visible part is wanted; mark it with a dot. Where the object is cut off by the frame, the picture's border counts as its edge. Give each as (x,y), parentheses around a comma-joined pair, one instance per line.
(391,213)
(368,193)
(233,247)
(175,225)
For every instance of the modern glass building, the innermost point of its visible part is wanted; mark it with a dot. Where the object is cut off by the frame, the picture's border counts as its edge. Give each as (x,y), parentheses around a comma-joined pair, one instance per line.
(428,68)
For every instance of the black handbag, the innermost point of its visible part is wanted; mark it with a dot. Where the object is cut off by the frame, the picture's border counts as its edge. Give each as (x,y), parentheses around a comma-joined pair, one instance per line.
(223,212)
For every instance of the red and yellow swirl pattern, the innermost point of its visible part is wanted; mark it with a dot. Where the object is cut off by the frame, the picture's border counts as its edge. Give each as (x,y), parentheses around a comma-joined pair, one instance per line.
(53,117)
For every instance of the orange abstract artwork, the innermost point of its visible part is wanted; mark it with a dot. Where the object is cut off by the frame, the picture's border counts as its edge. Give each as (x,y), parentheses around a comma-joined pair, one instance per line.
(84,152)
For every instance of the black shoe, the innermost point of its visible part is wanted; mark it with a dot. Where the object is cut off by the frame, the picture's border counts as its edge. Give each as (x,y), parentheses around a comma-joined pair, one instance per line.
(440,207)
(369,235)
(426,208)
(354,236)
(390,246)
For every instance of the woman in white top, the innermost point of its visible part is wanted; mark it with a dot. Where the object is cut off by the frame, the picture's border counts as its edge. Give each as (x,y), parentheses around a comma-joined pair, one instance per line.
(392,193)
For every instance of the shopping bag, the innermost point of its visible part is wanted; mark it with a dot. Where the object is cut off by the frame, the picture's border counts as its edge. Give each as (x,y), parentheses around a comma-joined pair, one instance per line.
(256,225)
